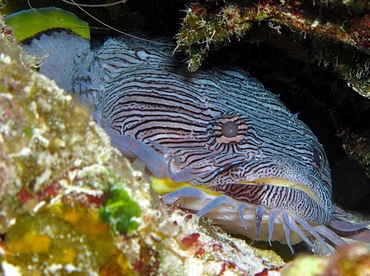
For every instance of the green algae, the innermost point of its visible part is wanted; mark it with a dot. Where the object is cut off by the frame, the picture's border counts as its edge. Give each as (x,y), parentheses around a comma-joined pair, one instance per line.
(121,212)
(29,23)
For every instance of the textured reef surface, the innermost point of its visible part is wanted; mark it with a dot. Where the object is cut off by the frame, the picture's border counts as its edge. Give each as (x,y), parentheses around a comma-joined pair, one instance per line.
(70,204)
(349,260)
(334,32)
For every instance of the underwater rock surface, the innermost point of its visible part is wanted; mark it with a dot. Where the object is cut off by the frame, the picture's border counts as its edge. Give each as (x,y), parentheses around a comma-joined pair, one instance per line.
(351,260)
(331,32)
(71,204)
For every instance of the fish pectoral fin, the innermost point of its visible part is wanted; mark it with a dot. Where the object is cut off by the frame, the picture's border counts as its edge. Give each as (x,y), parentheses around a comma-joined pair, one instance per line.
(153,161)
(350,230)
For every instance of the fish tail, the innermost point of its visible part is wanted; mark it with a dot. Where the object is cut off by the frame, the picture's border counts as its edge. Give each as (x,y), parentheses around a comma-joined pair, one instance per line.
(59,40)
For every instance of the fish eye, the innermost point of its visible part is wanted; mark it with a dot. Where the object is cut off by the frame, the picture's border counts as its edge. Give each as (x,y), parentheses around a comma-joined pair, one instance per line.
(229,129)
(317,158)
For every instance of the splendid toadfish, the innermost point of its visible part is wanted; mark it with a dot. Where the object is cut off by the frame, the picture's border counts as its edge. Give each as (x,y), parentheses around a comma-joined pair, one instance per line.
(215,141)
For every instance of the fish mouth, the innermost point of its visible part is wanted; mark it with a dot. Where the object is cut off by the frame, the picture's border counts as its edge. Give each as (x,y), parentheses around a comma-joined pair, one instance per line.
(166,185)
(281,182)
(251,219)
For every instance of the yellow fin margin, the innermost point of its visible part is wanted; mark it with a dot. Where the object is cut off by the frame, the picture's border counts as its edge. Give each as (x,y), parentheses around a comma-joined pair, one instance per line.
(166,185)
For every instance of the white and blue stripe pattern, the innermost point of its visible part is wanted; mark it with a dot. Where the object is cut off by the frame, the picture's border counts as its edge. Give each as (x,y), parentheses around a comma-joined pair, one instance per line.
(248,163)
(149,96)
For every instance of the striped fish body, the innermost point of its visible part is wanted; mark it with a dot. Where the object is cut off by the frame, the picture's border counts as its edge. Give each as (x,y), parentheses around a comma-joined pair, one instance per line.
(216,141)
(218,130)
